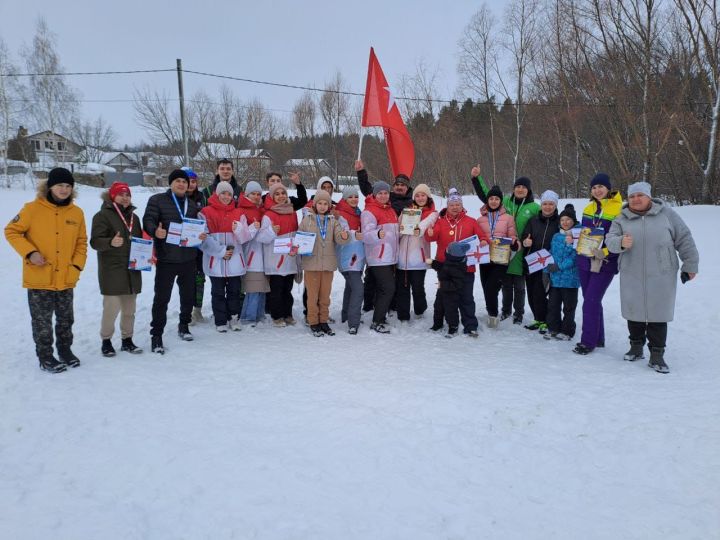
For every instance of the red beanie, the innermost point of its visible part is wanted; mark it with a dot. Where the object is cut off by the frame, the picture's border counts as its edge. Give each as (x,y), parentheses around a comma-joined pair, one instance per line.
(117,188)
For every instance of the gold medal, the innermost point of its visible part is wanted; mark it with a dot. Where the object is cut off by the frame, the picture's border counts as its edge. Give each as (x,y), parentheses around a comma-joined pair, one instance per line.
(452,233)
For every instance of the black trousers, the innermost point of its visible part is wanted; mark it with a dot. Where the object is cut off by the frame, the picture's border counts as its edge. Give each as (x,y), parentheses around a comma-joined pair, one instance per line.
(369,291)
(384,277)
(42,306)
(448,303)
(225,293)
(562,301)
(491,278)
(513,295)
(654,332)
(280,298)
(407,281)
(537,295)
(165,276)
(199,280)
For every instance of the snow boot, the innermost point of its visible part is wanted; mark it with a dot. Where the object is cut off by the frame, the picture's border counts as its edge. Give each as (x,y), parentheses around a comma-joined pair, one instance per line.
(107,348)
(353,330)
(197,316)
(290,321)
(325,327)
(234,323)
(535,325)
(279,323)
(657,360)
(66,356)
(452,332)
(492,322)
(184,332)
(517,319)
(504,316)
(156,344)
(380,328)
(635,352)
(582,349)
(543,328)
(317,330)
(127,345)
(222,328)
(51,365)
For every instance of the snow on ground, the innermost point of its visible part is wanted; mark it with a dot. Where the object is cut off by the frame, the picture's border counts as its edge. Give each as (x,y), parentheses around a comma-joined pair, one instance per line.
(274,434)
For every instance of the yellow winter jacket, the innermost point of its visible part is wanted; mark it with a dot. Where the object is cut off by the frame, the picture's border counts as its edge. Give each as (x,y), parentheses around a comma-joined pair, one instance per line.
(58,233)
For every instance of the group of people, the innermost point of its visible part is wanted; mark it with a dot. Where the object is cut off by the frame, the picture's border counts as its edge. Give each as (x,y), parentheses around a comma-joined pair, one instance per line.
(250,252)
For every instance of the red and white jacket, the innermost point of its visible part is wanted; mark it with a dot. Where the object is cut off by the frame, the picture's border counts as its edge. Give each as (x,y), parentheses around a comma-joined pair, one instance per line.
(277,264)
(415,249)
(253,250)
(448,230)
(377,217)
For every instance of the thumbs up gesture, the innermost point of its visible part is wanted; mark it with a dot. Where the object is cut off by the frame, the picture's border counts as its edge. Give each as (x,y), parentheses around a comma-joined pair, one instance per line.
(627,241)
(117,240)
(160,232)
(256,224)
(431,232)
(528,241)
(475,172)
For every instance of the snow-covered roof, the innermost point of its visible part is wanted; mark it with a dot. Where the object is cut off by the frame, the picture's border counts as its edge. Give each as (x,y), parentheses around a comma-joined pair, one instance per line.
(304,162)
(230,151)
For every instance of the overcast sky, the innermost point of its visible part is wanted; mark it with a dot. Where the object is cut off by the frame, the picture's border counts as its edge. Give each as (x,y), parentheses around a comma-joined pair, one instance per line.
(295,42)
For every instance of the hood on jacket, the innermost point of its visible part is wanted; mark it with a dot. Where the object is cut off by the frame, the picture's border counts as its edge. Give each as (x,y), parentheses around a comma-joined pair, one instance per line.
(105,198)
(484,211)
(215,202)
(43,190)
(656,207)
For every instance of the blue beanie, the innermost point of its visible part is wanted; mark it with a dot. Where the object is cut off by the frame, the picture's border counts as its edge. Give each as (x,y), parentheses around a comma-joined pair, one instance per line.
(600,179)
(189,172)
(457,249)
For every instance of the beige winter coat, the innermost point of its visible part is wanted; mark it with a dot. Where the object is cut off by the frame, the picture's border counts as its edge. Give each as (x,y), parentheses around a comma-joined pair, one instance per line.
(323,256)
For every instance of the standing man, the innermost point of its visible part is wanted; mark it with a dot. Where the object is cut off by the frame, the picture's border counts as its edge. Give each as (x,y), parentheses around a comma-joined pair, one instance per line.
(298,202)
(49,234)
(649,236)
(223,173)
(163,211)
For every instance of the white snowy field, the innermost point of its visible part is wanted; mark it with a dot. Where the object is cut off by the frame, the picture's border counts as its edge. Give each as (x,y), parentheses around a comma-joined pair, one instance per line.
(274,434)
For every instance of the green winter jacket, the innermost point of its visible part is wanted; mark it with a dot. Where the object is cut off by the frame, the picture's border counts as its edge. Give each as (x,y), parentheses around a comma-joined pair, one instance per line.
(521,212)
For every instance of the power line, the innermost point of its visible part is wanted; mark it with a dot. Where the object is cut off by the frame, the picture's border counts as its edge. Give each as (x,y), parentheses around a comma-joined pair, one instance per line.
(128,72)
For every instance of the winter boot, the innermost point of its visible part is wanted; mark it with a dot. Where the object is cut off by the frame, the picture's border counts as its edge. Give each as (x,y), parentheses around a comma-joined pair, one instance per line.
(234,323)
(517,319)
(156,344)
(279,323)
(582,349)
(51,365)
(353,330)
(380,328)
(317,330)
(107,348)
(222,328)
(184,332)
(325,327)
(452,332)
(197,316)
(504,316)
(66,356)
(127,345)
(492,322)
(543,328)
(635,352)
(436,327)
(535,325)
(657,360)
(290,321)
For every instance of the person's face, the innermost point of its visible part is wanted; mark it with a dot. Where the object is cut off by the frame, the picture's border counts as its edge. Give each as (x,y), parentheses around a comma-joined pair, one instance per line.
(639,202)
(400,188)
(494,202)
(60,192)
(179,187)
(547,208)
(225,197)
(225,171)
(421,198)
(274,179)
(192,185)
(327,186)
(353,200)
(566,223)
(454,208)
(520,192)
(382,197)
(280,196)
(599,192)
(255,197)
(123,199)
(322,207)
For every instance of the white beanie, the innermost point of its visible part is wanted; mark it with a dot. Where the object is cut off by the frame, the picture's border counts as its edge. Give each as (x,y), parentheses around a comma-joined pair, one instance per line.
(324,179)
(224,187)
(550,196)
(640,187)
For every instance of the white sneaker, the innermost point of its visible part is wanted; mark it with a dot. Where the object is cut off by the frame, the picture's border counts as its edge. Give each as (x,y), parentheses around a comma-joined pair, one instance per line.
(222,328)
(234,323)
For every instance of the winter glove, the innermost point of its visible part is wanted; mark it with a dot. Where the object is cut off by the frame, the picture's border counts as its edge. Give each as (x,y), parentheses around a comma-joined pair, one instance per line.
(553,268)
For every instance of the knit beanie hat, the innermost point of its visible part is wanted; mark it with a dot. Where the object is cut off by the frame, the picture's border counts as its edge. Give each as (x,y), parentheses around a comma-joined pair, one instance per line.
(178,173)
(569,211)
(117,188)
(522,181)
(402,179)
(380,186)
(60,175)
(350,191)
(457,249)
(422,188)
(454,196)
(549,196)
(640,187)
(276,187)
(495,191)
(324,179)
(252,187)
(601,179)
(224,187)
(191,174)
(322,195)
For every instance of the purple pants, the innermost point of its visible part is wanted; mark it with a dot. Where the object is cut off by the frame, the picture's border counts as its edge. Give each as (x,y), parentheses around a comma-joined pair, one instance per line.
(593,286)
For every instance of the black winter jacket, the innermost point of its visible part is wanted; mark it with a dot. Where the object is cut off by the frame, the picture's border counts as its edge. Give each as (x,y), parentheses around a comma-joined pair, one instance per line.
(161,209)
(451,273)
(541,229)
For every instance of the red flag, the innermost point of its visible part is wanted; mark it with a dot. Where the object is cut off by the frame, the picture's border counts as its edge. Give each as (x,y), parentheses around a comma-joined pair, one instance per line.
(380,109)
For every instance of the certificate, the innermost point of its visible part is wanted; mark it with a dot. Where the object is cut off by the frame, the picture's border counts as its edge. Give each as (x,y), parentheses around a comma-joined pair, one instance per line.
(473,254)
(191,231)
(576,236)
(500,250)
(484,254)
(410,220)
(282,246)
(305,242)
(590,239)
(538,260)
(141,254)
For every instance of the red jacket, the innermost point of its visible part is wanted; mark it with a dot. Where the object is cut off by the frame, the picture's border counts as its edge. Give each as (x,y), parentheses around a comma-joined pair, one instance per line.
(383,213)
(288,222)
(447,231)
(219,216)
(248,209)
(351,215)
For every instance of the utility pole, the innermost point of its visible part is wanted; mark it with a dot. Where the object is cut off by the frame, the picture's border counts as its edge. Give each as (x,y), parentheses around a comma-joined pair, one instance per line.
(182,113)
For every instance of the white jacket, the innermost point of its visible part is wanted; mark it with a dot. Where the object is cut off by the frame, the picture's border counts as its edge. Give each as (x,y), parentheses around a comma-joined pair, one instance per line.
(214,248)
(275,264)
(415,249)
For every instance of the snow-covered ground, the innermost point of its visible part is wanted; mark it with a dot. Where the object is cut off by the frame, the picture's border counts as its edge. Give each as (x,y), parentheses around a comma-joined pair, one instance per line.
(274,434)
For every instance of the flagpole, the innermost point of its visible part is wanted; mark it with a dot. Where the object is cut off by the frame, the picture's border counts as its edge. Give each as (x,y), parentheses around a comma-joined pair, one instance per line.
(362,134)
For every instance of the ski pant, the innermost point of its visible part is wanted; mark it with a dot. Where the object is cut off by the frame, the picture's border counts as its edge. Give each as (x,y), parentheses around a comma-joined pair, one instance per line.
(280,298)
(42,305)
(594,285)
(447,305)
(319,286)
(467,304)
(369,291)
(253,307)
(491,279)
(562,300)
(513,295)
(124,304)
(165,276)
(199,281)
(384,277)
(225,294)
(352,299)
(405,282)
(538,294)
(654,332)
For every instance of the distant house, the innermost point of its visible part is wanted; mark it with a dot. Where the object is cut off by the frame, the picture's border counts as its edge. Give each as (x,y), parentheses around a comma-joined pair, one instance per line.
(53,147)
(249,164)
(310,168)
(121,161)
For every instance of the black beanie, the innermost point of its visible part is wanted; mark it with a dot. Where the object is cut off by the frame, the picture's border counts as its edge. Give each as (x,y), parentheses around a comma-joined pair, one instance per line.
(60,175)
(178,173)
(522,181)
(569,211)
(495,191)
(402,179)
